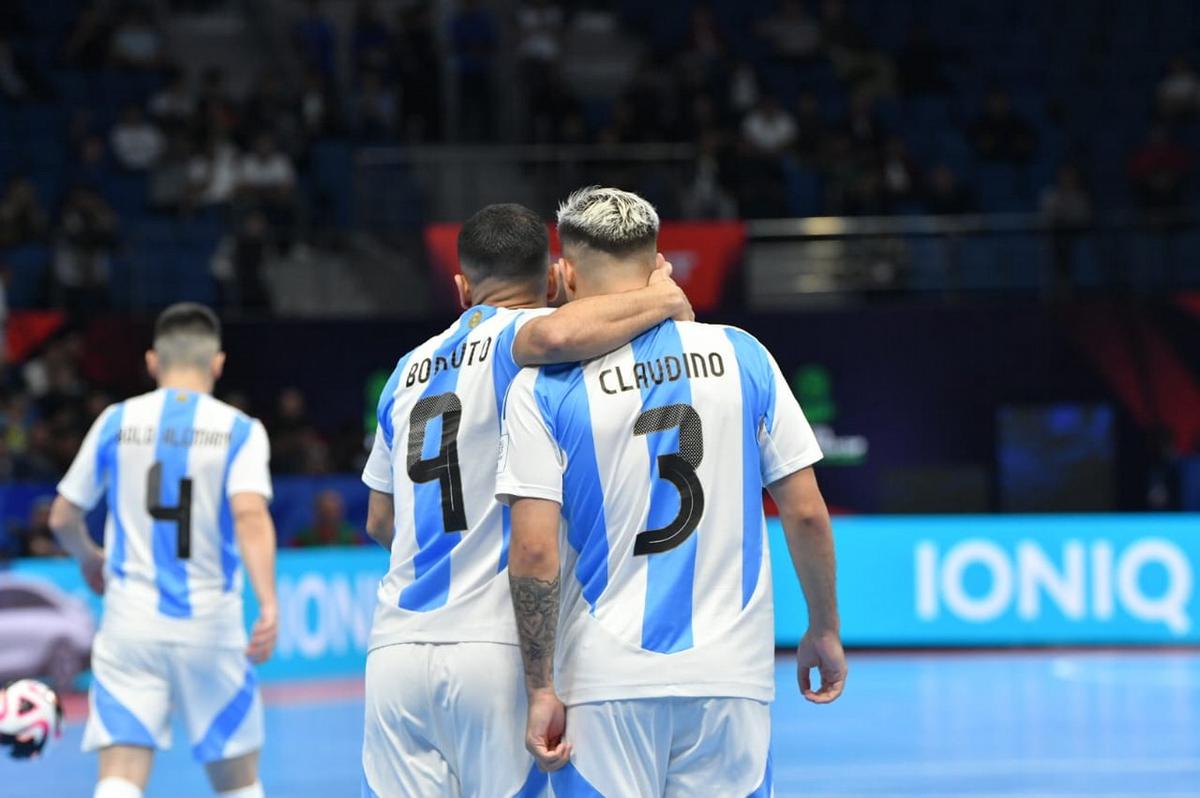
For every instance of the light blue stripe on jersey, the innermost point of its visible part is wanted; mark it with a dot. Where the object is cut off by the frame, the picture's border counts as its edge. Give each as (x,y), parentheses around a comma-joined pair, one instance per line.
(535,783)
(670,575)
(431,564)
(767,788)
(106,469)
(562,397)
(211,747)
(387,399)
(758,383)
(568,782)
(123,727)
(504,371)
(170,573)
(229,552)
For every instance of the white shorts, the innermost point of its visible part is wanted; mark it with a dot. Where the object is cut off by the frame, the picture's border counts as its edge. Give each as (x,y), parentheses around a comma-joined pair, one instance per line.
(137,684)
(669,747)
(447,719)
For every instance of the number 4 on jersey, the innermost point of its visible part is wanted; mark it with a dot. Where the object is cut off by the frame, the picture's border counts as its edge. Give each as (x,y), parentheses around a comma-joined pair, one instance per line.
(180,514)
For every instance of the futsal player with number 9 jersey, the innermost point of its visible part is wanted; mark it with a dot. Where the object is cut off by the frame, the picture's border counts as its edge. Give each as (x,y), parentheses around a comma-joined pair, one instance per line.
(444,704)
(659,605)
(187,482)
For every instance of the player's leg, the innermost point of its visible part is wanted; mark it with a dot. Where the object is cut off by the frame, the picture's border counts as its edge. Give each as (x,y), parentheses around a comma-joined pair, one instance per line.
(216,690)
(480,705)
(400,758)
(129,713)
(721,746)
(619,748)
(236,777)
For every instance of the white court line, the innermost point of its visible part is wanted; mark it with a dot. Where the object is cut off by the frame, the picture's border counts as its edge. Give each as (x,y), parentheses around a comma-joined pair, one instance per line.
(986,767)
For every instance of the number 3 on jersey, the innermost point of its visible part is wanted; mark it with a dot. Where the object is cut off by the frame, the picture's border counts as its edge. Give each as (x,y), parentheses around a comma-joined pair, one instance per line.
(443,466)
(678,468)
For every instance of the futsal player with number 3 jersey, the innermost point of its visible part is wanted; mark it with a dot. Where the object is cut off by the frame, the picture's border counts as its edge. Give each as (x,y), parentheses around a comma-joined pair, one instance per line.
(187,482)
(444,703)
(647,628)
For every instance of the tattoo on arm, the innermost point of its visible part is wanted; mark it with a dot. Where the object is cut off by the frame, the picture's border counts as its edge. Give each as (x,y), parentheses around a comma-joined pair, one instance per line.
(536,604)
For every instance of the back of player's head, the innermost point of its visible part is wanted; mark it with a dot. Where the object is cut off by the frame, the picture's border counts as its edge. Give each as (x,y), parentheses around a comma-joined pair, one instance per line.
(187,335)
(504,242)
(608,220)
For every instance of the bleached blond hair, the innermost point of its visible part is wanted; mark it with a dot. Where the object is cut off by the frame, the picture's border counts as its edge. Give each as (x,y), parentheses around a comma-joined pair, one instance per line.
(607,219)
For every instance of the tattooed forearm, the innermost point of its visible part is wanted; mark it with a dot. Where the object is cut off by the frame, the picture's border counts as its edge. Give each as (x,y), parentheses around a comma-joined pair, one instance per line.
(536,604)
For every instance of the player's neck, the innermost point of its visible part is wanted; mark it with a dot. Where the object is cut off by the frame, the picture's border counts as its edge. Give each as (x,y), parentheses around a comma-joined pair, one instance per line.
(617,284)
(186,380)
(512,297)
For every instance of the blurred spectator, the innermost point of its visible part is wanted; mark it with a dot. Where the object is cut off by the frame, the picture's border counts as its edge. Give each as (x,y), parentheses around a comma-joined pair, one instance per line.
(1159,170)
(743,89)
(1179,92)
(371,40)
(22,217)
(1002,135)
(174,105)
(19,79)
(136,42)
(329,526)
(297,447)
(267,181)
(862,127)
(217,112)
(473,37)
(316,39)
(35,538)
(375,110)
(791,33)
(944,194)
(316,106)
(810,126)
(703,56)
(83,246)
(705,197)
(213,172)
(239,263)
(415,48)
(861,66)
(92,165)
(920,65)
(88,43)
(1066,204)
(899,174)
(136,143)
(768,129)
(270,110)
(539,44)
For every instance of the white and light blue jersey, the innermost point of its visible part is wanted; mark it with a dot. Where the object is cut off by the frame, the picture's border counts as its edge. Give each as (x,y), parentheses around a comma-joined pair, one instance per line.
(168,462)
(658,453)
(435,452)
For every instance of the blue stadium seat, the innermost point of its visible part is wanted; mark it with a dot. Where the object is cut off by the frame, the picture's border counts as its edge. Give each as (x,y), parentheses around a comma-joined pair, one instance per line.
(28,275)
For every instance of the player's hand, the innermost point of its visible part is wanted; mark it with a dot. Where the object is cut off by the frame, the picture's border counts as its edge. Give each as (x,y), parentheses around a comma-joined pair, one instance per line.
(93,573)
(823,652)
(263,635)
(544,731)
(661,276)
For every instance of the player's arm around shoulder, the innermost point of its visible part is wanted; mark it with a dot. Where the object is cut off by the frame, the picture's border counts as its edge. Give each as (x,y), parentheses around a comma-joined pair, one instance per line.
(587,328)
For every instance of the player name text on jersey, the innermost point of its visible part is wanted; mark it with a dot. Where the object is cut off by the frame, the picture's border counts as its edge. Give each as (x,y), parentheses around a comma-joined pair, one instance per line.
(669,368)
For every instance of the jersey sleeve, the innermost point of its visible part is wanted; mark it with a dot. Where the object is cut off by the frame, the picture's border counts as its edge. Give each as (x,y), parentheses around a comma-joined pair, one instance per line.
(250,470)
(377,474)
(786,441)
(530,462)
(506,365)
(86,479)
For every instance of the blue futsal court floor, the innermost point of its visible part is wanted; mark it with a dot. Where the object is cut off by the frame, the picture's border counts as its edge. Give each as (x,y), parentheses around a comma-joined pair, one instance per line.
(1122,723)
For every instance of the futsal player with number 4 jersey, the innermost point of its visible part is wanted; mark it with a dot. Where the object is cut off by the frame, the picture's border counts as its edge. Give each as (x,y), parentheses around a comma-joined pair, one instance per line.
(187,482)
(647,629)
(444,703)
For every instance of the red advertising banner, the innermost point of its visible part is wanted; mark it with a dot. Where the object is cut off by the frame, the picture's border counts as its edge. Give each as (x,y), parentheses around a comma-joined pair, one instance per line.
(702,253)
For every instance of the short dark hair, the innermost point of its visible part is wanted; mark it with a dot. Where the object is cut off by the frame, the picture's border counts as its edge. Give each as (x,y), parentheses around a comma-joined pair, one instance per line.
(505,241)
(187,317)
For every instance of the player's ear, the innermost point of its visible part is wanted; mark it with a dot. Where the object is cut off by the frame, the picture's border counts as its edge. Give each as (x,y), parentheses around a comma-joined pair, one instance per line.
(567,270)
(152,363)
(218,365)
(554,286)
(464,291)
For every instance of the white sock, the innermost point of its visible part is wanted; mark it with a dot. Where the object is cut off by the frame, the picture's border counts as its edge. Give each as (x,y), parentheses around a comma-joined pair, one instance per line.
(255,790)
(116,788)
